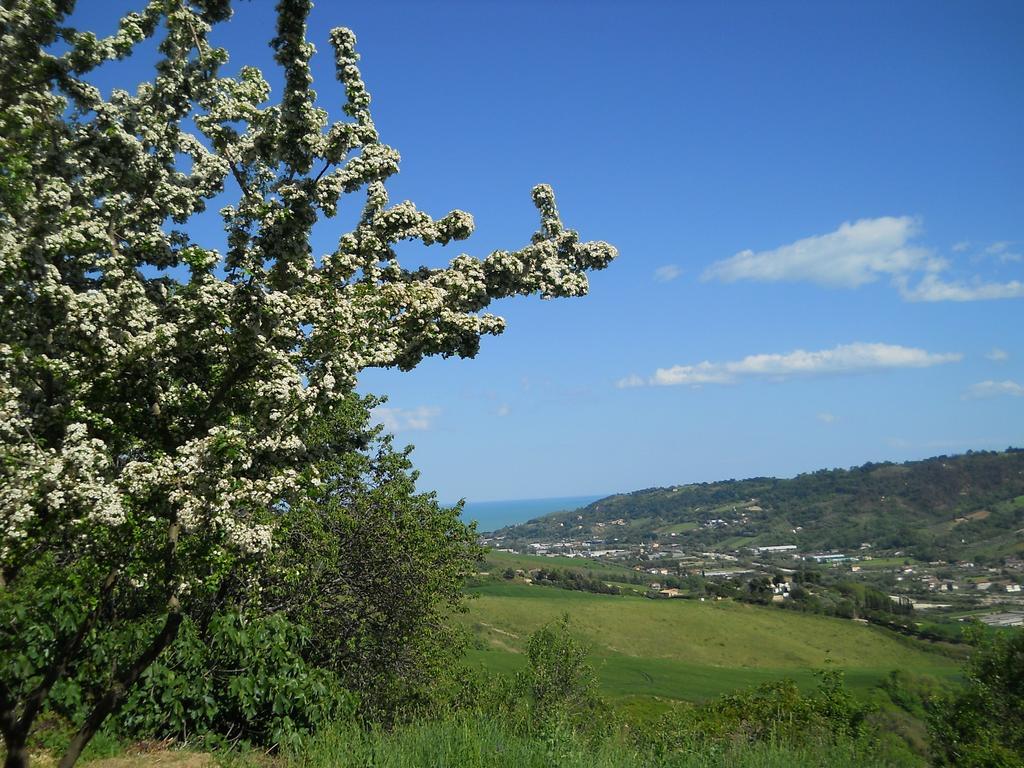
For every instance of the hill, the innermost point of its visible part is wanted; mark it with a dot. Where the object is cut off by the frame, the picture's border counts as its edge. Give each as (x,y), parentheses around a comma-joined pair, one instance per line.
(947,507)
(691,650)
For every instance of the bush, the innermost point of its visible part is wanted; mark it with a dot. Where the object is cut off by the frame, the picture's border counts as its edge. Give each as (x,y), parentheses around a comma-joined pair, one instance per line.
(229,677)
(558,679)
(555,694)
(983,725)
(237,679)
(249,682)
(373,569)
(775,713)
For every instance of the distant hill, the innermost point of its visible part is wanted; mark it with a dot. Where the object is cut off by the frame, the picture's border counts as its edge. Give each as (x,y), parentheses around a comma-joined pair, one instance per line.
(947,507)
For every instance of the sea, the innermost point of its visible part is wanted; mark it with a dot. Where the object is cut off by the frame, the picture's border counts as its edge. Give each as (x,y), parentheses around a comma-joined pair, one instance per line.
(492,515)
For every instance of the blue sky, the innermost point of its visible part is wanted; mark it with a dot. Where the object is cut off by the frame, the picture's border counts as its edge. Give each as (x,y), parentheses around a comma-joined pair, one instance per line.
(818,206)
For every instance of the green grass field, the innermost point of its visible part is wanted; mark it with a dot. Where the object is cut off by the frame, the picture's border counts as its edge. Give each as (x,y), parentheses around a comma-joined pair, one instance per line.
(688,650)
(499,561)
(526,562)
(679,527)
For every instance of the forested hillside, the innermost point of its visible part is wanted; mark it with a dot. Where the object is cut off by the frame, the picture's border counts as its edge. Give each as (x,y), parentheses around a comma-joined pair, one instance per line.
(969,505)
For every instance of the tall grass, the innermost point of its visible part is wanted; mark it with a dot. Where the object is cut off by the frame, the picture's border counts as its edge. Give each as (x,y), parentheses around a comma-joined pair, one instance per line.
(483,742)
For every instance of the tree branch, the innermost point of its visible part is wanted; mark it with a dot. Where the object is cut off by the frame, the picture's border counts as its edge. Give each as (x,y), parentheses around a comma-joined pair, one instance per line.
(240,179)
(67,651)
(8,717)
(118,691)
(122,685)
(322,172)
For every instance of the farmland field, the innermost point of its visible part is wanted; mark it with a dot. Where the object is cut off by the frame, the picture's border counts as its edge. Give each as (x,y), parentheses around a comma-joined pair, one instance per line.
(593,568)
(689,650)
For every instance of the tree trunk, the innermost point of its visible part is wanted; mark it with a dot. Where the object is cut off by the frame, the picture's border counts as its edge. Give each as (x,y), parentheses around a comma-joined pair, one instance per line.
(14,745)
(16,729)
(14,738)
(17,757)
(119,689)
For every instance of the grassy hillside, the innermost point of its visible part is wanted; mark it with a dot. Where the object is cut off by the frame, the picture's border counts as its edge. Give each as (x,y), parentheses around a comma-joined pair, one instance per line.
(501,560)
(683,649)
(949,507)
(625,578)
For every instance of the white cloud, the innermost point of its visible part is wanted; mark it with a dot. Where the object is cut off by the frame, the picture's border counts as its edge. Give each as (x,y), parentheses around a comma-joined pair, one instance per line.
(994,389)
(406,419)
(1002,252)
(504,409)
(852,255)
(998,355)
(864,251)
(934,288)
(845,358)
(826,418)
(667,273)
(701,373)
(630,381)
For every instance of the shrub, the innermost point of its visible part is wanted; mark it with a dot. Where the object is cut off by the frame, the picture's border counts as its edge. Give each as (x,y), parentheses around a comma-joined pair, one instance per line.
(983,725)
(773,713)
(237,679)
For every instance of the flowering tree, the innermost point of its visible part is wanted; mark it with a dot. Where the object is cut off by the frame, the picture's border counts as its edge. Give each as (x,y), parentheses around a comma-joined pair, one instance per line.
(154,391)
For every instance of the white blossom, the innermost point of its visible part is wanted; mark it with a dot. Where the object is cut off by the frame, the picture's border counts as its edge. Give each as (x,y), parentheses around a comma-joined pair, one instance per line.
(130,399)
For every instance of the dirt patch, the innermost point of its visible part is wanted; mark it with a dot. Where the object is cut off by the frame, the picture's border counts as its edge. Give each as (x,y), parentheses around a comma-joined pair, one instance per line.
(501,645)
(156,759)
(981,514)
(499,631)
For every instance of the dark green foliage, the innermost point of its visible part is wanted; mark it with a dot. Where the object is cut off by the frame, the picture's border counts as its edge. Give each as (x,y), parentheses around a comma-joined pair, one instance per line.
(760,589)
(571,579)
(227,678)
(372,568)
(868,600)
(774,713)
(245,681)
(779,712)
(911,506)
(66,634)
(558,678)
(35,613)
(353,609)
(807,576)
(555,694)
(983,725)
